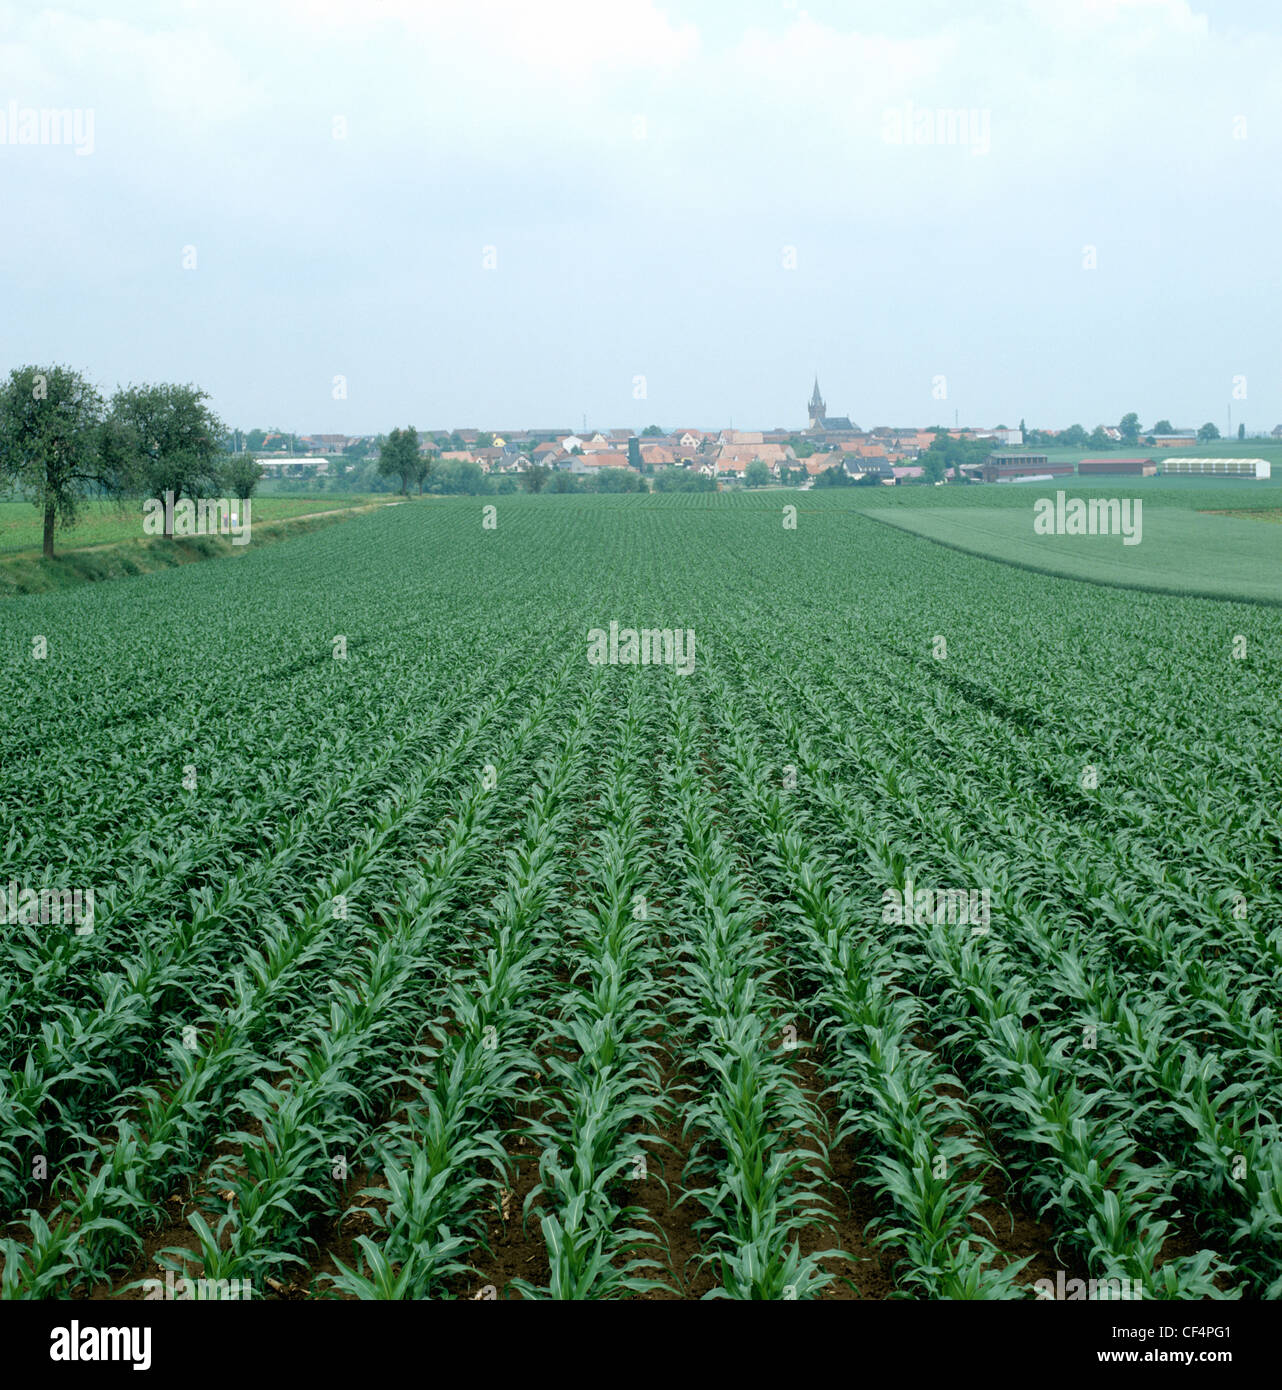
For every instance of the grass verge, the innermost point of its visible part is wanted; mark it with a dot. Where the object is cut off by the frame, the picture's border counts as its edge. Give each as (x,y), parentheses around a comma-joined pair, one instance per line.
(33,574)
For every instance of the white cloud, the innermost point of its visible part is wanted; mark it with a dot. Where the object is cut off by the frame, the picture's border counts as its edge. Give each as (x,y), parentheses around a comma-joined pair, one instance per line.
(1121,20)
(556,39)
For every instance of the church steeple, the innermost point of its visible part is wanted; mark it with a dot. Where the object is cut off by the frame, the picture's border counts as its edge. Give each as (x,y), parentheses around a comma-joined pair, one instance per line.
(818,410)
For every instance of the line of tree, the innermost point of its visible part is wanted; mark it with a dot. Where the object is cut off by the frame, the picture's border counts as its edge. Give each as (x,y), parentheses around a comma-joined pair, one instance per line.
(62,444)
(1128,427)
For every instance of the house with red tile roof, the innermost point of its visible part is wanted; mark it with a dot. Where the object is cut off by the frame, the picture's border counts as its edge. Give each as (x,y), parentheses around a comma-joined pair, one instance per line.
(733,459)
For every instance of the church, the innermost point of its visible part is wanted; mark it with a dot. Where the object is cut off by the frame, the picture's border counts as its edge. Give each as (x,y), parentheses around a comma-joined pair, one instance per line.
(823,423)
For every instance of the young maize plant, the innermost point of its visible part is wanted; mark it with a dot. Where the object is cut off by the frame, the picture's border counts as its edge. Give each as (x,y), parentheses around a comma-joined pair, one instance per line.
(1241,1170)
(33,1268)
(323,1111)
(895,1095)
(1085,853)
(1134,1238)
(603,1088)
(1095,1178)
(163,1135)
(1143,1077)
(58,1078)
(146,872)
(757,1186)
(209,1081)
(435,1153)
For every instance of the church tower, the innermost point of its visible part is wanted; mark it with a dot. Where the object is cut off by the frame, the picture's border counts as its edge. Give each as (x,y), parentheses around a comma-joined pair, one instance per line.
(818,410)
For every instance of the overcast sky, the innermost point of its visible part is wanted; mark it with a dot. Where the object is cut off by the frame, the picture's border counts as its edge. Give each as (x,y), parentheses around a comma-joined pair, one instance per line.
(509,213)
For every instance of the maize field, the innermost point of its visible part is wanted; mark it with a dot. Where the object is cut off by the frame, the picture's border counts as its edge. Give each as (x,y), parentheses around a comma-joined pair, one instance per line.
(431,959)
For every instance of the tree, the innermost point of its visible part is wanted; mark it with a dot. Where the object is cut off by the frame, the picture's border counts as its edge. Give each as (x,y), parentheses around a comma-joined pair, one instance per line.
(55,443)
(934,464)
(1207,432)
(398,457)
(618,480)
(1098,439)
(683,480)
(535,477)
(1073,437)
(757,474)
(242,475)
(947,453)
(484,440)
(834,476)
(1023,429)
(651,430)
(1241,431)
(423,462)
(177,440)
(1129,427)
(254,440)
(461,476)
(1163,427)
(634,454)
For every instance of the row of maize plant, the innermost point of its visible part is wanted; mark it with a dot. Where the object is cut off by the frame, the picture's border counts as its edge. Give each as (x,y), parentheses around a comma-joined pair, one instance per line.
(601,1085)
(442,1153)
(117,1018)
(1071,1161)
(1227,1184)
(758,1162)
(283,1178)
(189,841)
(278,996)
(898,1102)
(57,1091)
